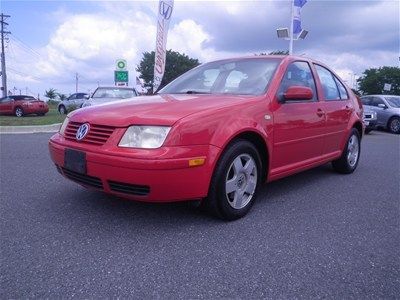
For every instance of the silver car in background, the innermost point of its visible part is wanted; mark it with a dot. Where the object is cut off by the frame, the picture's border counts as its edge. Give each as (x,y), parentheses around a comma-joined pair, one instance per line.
(387,108)
(108,94)
(72,102)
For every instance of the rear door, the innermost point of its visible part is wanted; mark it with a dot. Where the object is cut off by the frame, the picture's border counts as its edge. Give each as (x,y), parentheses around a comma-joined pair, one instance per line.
(337,106)
(298,125)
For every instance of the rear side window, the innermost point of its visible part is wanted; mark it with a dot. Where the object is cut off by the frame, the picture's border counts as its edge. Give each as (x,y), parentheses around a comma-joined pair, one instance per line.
(342,89)
(298,74)
(331,91)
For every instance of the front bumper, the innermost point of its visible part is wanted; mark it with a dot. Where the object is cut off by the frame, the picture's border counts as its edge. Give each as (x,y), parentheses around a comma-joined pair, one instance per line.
(164,176)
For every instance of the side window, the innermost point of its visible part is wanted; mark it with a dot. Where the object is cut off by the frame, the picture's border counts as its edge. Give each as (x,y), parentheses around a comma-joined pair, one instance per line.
(72,97)
(329,86)
(298,74)
(342,89)
(366,100)
(375,101)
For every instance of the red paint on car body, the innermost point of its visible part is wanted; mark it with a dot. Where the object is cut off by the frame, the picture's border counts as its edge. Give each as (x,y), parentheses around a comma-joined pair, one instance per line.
(290,136)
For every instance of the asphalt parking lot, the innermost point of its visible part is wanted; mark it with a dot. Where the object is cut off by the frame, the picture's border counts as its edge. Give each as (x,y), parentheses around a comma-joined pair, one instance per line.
(317,234)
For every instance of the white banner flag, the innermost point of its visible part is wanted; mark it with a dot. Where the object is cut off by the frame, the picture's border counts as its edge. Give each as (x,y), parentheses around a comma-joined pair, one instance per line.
(165,8)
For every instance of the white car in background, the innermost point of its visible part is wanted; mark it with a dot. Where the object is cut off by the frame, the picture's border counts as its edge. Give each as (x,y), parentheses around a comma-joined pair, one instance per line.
(109,94)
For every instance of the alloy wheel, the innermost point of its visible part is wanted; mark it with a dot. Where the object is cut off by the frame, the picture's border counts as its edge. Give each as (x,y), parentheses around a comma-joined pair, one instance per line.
(241,181)
(353,150)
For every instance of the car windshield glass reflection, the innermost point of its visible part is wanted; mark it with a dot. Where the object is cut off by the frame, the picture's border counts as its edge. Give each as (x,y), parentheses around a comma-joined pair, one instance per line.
(113,93)
(393,101)
(240,77)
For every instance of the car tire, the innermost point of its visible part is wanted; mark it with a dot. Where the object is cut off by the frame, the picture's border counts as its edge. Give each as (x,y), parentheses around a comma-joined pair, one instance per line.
(394,125)
(19,112)
(348,161)
(62,110)
(239,170)
(367,131)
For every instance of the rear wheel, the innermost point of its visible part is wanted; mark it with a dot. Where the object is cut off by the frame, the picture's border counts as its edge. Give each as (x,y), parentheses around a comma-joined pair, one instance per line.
(62,110)
(235,182)
(348,162)
(19,112)
(394,125)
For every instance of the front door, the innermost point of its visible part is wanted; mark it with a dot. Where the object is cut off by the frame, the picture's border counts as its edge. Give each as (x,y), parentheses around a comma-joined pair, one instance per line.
(299,126)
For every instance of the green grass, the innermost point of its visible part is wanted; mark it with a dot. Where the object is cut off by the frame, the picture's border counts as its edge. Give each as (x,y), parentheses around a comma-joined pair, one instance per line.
(52,117)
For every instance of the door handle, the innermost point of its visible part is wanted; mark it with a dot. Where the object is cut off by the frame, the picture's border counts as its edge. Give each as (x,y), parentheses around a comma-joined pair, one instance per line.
(320,112)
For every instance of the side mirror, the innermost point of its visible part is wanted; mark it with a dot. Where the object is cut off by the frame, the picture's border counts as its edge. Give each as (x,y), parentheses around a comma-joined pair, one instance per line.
(297,93)
(382,106)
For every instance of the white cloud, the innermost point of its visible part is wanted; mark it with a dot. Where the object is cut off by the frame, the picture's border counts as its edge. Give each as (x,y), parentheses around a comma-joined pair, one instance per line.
(89,43)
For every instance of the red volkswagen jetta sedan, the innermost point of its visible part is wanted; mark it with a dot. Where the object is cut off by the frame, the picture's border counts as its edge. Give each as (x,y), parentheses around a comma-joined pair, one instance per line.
(216,133)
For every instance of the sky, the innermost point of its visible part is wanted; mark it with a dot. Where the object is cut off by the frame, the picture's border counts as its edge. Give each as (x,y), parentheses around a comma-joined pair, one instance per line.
(52,41)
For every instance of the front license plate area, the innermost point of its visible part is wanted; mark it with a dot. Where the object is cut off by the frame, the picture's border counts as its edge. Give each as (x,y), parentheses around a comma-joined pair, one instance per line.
(75,161)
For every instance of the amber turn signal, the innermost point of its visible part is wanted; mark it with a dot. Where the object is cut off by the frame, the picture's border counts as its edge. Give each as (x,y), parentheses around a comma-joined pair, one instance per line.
(196,162)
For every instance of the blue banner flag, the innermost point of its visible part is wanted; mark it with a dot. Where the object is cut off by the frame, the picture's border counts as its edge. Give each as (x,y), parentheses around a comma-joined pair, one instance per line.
(297,5)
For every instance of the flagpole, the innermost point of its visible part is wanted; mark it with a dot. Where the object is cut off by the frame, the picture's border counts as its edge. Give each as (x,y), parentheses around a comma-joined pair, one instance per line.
(291,30)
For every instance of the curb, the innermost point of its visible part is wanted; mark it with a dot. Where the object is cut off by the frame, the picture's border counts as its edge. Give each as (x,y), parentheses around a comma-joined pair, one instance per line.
(29,129)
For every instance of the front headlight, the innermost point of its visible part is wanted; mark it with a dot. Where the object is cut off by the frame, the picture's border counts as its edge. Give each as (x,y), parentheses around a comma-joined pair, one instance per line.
(149,137)
(64,126)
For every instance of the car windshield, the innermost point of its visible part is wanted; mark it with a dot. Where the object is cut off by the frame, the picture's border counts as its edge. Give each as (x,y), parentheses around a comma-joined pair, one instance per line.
(237,77)
(116,92)
(393,101)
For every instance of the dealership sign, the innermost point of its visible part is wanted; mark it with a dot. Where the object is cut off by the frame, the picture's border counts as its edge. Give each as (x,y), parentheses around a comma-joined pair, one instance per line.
(165,8)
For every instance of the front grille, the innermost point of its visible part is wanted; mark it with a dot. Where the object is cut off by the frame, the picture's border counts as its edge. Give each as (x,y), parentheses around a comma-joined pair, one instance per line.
(133,189)
(83,179)
(97,135)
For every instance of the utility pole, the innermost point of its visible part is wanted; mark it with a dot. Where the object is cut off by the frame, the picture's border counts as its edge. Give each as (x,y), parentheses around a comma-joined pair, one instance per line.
(3,56)
(76,82)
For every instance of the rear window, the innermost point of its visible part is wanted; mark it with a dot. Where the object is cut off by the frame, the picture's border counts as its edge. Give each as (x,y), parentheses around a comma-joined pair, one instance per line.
(23,98)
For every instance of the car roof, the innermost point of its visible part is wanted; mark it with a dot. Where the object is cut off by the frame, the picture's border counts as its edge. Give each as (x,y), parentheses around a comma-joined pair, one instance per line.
(278,57)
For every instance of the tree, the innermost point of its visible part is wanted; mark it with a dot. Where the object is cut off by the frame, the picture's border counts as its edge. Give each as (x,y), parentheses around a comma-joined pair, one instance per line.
(51,94)
(373,80)
(176,65)
(61,96)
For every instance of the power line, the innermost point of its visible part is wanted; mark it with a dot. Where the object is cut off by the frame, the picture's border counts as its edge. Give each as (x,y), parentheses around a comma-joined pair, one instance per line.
(25,46)
(23,74)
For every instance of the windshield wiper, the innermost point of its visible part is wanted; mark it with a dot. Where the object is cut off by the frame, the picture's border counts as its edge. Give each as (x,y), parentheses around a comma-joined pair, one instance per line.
(196,92)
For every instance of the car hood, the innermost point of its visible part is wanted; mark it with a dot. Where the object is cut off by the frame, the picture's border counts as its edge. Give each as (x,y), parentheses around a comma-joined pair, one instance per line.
(153,110)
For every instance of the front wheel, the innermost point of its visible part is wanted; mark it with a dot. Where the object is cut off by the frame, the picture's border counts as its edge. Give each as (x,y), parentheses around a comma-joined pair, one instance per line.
(235,182)
(394,125)
(348,162)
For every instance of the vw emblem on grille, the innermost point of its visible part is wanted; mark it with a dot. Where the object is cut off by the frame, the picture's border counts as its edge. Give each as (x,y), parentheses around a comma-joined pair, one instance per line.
(82,131)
